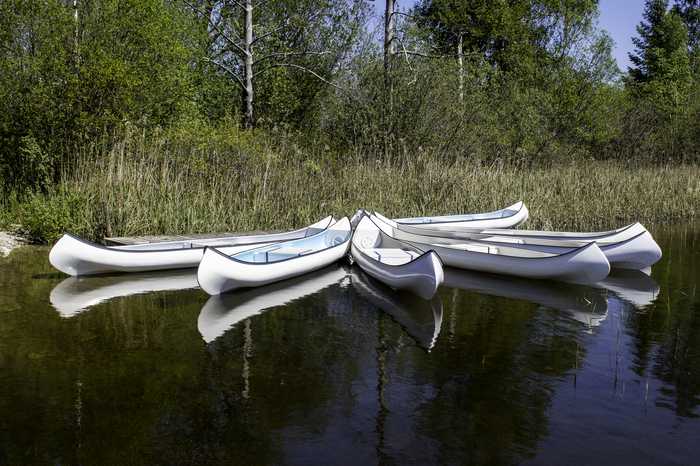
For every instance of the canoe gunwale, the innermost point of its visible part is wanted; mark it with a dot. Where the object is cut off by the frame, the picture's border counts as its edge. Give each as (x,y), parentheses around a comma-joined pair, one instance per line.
(520,205)
(423,252)
(344,243)
(544,255)
(120,249)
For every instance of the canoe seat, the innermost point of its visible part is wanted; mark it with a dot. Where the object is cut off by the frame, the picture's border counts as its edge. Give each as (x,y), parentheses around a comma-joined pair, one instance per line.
(484,249)
(392,256)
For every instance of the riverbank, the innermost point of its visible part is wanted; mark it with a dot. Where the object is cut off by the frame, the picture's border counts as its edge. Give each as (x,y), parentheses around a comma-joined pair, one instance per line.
(151,186)
(8,242)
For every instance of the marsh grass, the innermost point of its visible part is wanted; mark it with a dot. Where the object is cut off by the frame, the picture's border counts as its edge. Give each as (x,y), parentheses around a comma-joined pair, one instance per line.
(150,185)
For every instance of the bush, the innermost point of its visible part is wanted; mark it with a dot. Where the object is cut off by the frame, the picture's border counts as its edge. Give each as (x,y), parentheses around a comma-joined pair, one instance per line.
(45,217)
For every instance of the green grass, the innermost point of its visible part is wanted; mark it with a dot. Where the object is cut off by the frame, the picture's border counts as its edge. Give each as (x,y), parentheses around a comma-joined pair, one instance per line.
(152,185)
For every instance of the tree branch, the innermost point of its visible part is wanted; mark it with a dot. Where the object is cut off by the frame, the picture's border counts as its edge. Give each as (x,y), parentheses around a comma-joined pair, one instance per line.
(226,69)
(217,28)
(302,68)
(289,54)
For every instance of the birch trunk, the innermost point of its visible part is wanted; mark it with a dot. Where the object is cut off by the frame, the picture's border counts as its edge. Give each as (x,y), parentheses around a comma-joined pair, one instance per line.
(249,63)
(389,52)
(460,60)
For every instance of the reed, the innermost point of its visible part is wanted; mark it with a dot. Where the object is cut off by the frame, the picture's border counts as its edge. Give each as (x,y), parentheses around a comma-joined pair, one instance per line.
(150,185)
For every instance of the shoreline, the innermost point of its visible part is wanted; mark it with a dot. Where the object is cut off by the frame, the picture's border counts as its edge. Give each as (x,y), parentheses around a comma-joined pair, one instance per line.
(8,242)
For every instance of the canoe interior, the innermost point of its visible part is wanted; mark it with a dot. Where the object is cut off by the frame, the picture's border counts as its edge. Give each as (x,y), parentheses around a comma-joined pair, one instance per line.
(149,239)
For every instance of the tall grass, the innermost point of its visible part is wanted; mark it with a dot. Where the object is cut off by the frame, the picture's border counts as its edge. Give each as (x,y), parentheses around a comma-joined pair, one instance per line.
(152,185)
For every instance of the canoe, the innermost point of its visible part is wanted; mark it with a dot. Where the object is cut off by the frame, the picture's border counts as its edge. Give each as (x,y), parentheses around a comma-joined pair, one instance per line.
(223,312)
(77,294)
(586,264)
(394,263)
(420,319)
(76,256)
(509,217)
(219,272)
(630,247)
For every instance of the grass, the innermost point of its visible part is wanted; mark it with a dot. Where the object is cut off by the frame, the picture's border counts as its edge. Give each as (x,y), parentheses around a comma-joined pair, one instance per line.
(150,185)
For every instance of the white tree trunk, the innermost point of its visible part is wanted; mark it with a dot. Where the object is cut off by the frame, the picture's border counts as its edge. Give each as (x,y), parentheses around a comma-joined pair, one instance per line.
(389,33)
(460,60)
(249,63)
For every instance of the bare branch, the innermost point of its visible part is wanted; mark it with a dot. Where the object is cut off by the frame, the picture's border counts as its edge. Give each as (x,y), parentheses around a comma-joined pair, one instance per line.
(271,32)
(227,70)
(302,68)
(216,27)
(290,54)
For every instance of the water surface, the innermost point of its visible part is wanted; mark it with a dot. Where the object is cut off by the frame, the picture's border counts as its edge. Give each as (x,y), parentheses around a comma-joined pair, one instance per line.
(335,368)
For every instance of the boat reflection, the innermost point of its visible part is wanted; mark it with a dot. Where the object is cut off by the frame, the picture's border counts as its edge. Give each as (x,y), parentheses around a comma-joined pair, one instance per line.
(421,319)
(222,312)
(582,303)
(585,304)
(635,287)
(77,294)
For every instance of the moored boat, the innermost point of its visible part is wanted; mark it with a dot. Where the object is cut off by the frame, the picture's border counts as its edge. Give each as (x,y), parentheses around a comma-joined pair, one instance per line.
(586,264)
(76,256)
(630,247)
(508,217)
(394,263)
(219,272)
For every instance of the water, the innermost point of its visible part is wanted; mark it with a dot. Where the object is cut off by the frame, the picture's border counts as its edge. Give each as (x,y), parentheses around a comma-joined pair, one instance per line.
(337,369)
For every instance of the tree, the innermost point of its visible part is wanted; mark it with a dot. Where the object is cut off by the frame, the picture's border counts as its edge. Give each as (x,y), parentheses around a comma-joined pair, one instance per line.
(250,39)
(661,64)
(689,11)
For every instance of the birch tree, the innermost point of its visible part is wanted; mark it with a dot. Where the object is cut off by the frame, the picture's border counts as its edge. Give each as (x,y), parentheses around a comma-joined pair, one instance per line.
(250,38)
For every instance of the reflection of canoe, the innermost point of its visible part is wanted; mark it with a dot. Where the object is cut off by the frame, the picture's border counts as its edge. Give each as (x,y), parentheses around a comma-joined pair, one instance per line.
(74,294)
(586,264)
(222,312)
(219,273)
(631,247)
(421,319)
(76,256)
(633,286)
(394,263)
(582,303)
(509,217)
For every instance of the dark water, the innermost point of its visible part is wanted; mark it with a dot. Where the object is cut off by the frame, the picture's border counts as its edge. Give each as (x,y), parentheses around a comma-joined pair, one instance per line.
(134,369)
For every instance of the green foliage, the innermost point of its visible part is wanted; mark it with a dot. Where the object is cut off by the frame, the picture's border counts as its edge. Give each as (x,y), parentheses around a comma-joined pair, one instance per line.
(661,63)
(45,217)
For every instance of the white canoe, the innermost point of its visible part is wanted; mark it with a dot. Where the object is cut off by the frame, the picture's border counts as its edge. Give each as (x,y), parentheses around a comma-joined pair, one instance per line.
(630,247)
(219,272)
(420,319)
(75,294)
(398,265)
(509,217)
(76,256)
(586,264)
(223,312)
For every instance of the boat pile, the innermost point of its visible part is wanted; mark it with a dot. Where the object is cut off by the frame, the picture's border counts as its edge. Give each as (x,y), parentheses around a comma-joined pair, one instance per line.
(405,253)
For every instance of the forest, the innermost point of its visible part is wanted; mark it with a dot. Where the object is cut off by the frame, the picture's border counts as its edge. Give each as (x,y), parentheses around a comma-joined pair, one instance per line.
(167,116)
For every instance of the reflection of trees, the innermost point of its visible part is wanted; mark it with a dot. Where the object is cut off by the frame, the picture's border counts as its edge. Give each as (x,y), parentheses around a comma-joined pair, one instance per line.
(666,335)
(494,379)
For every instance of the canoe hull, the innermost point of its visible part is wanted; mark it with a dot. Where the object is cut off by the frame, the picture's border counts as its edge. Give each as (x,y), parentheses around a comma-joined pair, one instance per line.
(219,273)
(421,276)
(585,265)
(631,247)
(510,217)
(75,257)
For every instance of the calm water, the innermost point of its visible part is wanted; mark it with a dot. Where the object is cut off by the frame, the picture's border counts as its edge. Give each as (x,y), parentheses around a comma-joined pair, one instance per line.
(337,369)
